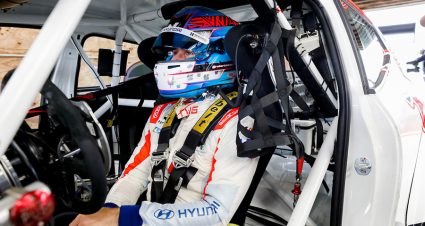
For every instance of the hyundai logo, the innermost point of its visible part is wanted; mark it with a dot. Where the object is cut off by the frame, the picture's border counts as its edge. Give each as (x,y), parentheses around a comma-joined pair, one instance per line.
(164,214)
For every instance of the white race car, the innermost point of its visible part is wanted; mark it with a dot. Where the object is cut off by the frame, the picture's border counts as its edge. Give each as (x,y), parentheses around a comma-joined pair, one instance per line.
(358,118)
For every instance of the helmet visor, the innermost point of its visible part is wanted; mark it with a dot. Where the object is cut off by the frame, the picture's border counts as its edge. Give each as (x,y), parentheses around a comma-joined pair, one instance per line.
(176,37)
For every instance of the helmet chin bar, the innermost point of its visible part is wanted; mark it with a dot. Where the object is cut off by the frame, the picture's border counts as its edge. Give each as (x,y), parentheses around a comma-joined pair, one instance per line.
(186,79)
(174,75)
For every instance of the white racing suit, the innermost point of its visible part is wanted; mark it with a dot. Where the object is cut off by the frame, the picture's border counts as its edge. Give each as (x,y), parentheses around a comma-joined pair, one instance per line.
(212,195)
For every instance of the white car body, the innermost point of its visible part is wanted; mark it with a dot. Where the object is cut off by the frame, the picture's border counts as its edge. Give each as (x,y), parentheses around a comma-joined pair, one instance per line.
(386,123)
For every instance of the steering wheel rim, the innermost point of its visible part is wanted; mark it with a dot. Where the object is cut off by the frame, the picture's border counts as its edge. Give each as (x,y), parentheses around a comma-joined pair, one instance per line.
(96,130)
(70,117)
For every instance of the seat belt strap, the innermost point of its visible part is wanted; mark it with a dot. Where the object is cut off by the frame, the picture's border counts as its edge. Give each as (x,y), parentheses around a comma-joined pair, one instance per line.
(159,156)
(182,159)
(262,135)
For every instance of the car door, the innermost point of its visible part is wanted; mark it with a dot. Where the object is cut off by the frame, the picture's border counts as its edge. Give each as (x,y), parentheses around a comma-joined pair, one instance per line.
(385,132)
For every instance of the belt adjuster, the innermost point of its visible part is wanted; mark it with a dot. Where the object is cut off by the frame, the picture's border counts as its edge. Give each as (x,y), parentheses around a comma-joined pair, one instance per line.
(158,157)
(182,161)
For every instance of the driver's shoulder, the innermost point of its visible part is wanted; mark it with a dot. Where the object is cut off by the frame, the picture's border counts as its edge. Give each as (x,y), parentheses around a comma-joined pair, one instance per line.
(228,121)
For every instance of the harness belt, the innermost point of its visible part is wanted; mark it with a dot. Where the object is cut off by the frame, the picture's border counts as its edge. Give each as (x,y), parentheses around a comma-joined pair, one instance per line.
(182,170)
(269,132)
(159,157)
(262,136)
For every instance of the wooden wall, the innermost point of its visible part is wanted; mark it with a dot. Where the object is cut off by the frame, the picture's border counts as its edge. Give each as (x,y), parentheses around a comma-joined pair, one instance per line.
(14,43)
(373,4)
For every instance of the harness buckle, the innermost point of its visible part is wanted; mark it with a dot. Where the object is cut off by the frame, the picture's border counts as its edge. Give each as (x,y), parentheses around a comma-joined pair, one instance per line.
(182,160)
(159,156)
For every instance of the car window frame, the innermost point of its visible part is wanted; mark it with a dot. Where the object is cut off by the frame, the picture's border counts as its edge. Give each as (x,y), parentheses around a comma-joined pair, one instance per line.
(341,4)
(83,40)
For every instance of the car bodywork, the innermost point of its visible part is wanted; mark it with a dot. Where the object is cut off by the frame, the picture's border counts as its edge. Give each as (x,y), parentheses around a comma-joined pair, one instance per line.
(380,124)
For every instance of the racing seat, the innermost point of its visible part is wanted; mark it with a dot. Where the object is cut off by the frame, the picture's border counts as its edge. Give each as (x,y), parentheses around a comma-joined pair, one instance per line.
(132,121)
(246,59)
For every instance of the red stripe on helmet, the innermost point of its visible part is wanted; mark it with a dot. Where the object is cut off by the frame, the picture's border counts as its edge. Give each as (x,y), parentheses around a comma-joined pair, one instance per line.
(211,21)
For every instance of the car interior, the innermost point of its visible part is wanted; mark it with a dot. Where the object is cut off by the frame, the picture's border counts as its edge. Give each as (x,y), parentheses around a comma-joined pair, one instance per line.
(79,153)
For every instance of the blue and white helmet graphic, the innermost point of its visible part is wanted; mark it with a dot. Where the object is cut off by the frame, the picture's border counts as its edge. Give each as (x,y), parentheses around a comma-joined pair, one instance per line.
(200,32)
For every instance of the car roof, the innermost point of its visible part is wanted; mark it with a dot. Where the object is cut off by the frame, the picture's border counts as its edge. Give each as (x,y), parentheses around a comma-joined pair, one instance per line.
(104,16)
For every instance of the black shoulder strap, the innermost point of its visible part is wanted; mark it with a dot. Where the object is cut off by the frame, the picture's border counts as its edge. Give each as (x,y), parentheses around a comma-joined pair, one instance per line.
(252,142)
(262,136)
(159,157)
(199,133)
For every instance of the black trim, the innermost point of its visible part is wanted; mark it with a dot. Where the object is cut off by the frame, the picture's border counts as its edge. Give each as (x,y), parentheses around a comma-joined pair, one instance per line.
(266,213)
(20,25)
(411,185)
(343,133)
(418,224)
(397,29)
(77,69)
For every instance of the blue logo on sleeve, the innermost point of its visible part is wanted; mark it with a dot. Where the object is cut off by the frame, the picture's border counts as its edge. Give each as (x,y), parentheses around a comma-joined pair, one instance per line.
(211,209)
(164,214)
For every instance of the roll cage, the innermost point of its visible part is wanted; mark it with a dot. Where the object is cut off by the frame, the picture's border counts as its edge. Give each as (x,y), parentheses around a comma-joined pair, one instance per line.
(29,79)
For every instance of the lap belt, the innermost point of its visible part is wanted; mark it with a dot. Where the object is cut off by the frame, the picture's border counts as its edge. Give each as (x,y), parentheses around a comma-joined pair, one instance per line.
(182,159)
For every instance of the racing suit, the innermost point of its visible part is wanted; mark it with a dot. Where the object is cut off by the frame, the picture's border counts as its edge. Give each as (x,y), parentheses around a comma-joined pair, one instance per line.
(212,195)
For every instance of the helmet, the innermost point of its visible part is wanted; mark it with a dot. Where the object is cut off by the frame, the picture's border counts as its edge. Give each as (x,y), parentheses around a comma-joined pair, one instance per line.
(200,31)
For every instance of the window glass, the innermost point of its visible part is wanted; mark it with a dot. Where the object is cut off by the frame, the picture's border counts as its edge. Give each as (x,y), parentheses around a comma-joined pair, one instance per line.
(407,51)
(14,43)
(91,47)
(372,50)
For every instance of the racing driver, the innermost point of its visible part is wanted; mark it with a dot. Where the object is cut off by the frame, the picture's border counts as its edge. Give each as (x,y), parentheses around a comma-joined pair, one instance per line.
(195,65)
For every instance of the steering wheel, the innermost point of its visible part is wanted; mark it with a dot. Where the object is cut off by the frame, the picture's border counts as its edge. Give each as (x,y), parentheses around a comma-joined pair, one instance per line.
(89,163)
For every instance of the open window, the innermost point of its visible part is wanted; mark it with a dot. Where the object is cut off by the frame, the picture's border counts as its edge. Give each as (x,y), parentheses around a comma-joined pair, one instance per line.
(95,47)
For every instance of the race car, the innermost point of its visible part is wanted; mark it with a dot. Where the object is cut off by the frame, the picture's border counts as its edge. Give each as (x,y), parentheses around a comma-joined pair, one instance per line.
(355,120)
